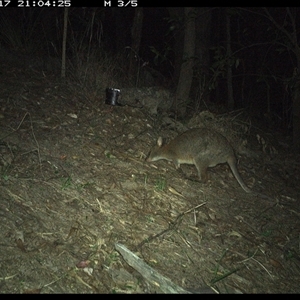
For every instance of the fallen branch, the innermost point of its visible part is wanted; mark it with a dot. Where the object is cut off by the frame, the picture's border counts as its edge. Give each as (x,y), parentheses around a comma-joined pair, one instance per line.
(165,284)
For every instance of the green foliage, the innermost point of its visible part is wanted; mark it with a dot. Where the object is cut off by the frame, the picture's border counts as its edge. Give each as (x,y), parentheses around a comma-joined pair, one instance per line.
(4,172)
(161,57)
(218,276)
(160,183)
(175,23)
(66,182)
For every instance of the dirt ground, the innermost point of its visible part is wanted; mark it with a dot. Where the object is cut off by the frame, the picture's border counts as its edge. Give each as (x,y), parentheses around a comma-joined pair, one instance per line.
(74,182)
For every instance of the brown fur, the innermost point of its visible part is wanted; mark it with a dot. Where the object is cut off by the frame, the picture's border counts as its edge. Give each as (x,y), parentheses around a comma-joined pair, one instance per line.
(200,147)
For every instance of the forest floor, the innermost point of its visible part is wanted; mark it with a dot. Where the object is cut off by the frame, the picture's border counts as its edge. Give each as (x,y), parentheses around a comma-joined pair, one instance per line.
(74,182)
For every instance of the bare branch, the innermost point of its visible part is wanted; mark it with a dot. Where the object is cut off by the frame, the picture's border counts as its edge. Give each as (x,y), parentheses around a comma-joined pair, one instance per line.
(281,28)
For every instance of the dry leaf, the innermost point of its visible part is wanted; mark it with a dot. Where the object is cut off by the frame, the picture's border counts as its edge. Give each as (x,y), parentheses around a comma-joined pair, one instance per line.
(83,264)
(275,263)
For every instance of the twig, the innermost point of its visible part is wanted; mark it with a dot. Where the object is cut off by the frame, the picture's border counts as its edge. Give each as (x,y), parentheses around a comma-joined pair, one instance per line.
(171,227)
(32,131)
(17,127)
(252,258)
(38,146)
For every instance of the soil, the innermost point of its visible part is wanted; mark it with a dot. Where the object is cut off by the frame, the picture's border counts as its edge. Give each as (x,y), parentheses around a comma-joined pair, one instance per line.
(74,182)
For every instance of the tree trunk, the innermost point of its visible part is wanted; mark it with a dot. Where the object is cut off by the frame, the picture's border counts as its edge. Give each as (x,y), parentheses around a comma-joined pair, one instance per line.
(64,43)
(134,62)
(177,16)
(229,63)
(186,72)
(200,87)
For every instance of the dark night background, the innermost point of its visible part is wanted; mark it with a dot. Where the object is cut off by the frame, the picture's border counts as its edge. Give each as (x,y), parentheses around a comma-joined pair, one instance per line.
(263,63)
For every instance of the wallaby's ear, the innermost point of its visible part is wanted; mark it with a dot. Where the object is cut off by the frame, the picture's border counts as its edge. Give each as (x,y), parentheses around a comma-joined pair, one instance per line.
(159,141)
